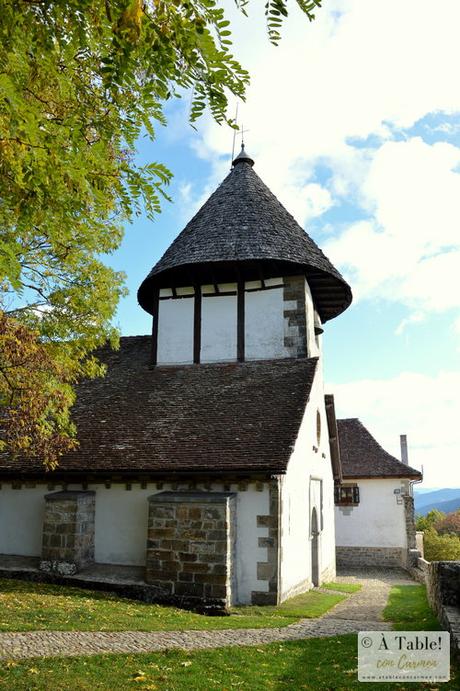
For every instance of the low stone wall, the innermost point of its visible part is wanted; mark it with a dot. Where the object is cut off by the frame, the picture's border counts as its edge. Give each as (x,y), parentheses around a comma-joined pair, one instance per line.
(370,556)
(417,567)
(191,546)
(442,580)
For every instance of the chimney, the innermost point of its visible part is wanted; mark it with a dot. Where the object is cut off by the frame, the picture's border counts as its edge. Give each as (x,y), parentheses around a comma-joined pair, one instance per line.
(404,456)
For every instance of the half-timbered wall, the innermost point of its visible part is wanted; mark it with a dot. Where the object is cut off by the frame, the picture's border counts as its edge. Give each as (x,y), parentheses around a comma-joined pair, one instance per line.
(254,320)
(175,332)
(219,328)
(264,325)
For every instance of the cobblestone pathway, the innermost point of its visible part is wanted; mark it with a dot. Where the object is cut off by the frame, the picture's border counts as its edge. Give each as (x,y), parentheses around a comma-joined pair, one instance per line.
(359,611)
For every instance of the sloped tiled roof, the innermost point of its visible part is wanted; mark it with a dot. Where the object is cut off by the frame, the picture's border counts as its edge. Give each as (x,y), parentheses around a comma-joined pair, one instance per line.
(333,437)
(362,456)
(222,417)
(243,223)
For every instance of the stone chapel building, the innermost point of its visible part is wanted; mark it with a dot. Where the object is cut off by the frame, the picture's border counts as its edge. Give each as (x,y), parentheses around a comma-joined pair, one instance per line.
(204,469)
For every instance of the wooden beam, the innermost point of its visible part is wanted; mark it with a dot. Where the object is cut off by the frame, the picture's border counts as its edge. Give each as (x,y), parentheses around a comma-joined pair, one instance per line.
(197,326)
(155,313)
(240,320)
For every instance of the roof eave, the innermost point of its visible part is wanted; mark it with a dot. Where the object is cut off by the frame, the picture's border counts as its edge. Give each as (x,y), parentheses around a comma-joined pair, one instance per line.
(389,476)
(331,294)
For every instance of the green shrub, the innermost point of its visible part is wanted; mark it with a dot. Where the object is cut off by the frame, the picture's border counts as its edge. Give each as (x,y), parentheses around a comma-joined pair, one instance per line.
(441,547)
(429,521)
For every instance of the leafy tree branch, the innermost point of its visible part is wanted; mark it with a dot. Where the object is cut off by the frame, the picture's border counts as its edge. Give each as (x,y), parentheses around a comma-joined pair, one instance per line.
(80,80)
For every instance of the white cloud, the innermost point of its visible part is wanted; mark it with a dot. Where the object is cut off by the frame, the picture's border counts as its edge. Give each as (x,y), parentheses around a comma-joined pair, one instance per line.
(362,68)
(185,192)
(307,201)
(425,408)
(414,318)
(456,326)
(409,250)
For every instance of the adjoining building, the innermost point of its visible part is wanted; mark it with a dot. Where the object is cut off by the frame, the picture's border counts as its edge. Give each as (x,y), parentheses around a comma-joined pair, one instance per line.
(204,458)
(374,507)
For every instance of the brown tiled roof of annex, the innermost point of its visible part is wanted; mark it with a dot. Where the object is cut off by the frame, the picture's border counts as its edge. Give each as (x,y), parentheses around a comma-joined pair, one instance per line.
(210,418)
(362,456)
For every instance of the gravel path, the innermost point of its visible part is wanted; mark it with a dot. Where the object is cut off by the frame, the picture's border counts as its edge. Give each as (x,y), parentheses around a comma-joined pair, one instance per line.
(359,611)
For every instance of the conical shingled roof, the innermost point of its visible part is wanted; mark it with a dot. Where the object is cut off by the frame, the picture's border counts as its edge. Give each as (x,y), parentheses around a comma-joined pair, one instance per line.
(243,230)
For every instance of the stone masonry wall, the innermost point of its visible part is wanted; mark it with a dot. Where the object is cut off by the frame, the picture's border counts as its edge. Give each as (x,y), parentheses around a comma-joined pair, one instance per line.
(443,583)
(191,546)
(370,556)
(409,516)
(68,532)
(442,579)
(295,319)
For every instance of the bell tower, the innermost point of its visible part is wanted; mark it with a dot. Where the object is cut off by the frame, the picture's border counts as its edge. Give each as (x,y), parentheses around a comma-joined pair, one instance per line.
(242,281)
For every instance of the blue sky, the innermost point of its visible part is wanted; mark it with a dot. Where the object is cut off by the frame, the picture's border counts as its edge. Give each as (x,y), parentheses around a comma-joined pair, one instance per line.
(359,137)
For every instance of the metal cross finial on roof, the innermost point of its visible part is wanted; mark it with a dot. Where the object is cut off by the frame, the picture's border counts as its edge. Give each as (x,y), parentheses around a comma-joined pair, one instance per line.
(242,132)
(242,156)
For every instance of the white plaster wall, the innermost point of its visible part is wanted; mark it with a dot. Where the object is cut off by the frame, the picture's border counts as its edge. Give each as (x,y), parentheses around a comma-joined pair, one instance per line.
(218,328)
(21,520)
(377,521)
(175,331)
(264,325)
(300,492)
(121,526)
(250,504)
(121,529)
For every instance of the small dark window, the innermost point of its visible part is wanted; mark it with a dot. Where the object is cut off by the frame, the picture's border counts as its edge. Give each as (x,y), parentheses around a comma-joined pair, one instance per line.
(318,427)
(346,495)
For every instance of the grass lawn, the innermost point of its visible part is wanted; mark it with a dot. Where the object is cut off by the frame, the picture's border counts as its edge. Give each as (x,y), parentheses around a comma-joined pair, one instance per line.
(342,587)
(408,609)
(33,606)
(315,664)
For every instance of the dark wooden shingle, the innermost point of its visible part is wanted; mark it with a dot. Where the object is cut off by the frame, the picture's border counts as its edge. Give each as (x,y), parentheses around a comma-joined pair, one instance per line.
(223,417)
(362,456)
(244,228)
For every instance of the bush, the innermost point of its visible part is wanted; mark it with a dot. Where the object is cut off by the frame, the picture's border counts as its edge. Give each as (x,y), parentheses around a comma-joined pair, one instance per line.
(441,547)
(429,521)
(449,525)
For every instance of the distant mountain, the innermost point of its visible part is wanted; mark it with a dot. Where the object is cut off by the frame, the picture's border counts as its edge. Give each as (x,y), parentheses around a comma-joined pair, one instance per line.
(446,500)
